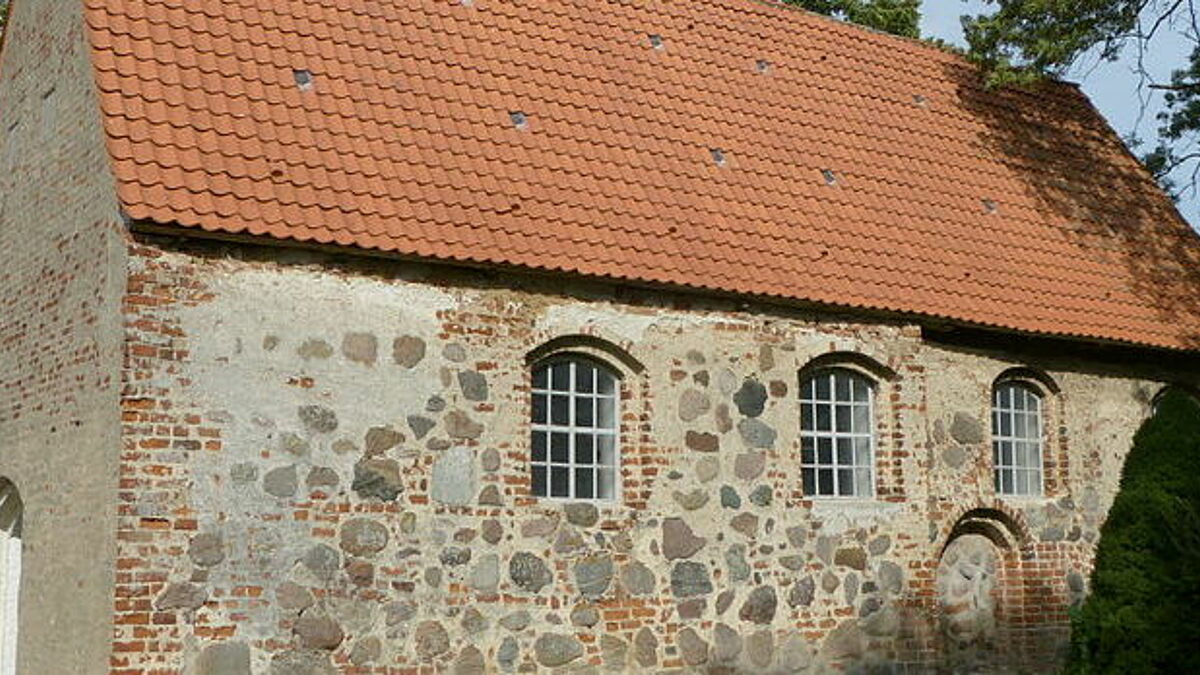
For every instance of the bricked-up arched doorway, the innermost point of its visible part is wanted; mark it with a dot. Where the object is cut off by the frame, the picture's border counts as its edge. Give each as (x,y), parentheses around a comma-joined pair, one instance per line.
(11,512)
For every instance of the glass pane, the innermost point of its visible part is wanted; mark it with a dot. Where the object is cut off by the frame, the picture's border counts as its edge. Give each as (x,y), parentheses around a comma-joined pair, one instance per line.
(862,451)
(539,408)
(606,417)
(996,477)
(806,417)
(810,481)
(539,481)
(560,410)
(605,383)
(539,446)
(561,376)
(862,482)
(584,411)
(824,423)
(560,484)
(1035,482)
(1006,482)
(1022,484)
(607,484)
(1005,395)
(1019,429)
(825,450)
(821,388)
(841,388)
(825,481)
(541,377)
(1020,455)
(845,481)
(808,454)
(1006,454)
(1005,424)
(584,487)
(606,445)
(843,419)
(585,375)
(584,451)
(862,390)
(845,451)
(559,447)
(862,419)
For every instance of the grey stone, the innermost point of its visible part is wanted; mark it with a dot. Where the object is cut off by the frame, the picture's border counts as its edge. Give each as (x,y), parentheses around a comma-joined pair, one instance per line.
(891,577)
(490,460)
(825,547)
(508,653)
(362,537)
(321,476)
(583,514)
(691,500)
(318,419)
(846,642)
(474,385)
(453,556)
(366,651)
(760,648)
(593,574)
(707,469)
(1053,533)
(678,539)
(378,478)
(759,607)
(794,563)
(318,631)
(460,425)
(569,540)
(794,656)
(966,429)
(552,649)
(245,472)
(694,357)
(761,496)
(1076,582)
(182,595)
(453,479)
(954,456)
(399,612)
(637,579)
(323,561)
(539,527)
(490,496)
(724,601)
(693,404)
(690,579)
(730,498)
(314,349)
(207,549)
(885,622)
(830,582)
(724,418)
(802,592)
(727,644)
(879,545)
(691,609)
(516,621)
(301,662)
(433,577)
(420,425)
(431,640)
(766,358)
(469,662)
(473,621)
(485,575)
(224,658)
(360,348)
(528,572)
(735,562)
(869,606)
(585,614)
(455,353)
(854,558)
(293,597)
(756,434)
(751,398)
(491,531)
(692,647)
(749,465)
(745,524)
(344,446)
(614,652)
(381,439)
(645,648)
(797,536)
(408,351)
(850,588)
(701,441)
(281,482)
(294,445)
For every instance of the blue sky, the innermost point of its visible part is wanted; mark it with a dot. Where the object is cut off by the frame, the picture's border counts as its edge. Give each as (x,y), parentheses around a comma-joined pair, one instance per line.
(1111,86)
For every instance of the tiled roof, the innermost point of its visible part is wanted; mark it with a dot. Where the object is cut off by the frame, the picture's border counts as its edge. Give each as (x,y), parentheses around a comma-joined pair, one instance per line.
(726,145)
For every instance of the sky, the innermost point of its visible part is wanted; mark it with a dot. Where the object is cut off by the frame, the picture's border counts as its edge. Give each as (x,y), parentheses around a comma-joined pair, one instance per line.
(1111,86)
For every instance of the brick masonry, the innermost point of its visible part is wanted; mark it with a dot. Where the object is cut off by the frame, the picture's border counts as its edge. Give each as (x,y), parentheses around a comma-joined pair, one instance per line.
(324,469)
(62,275)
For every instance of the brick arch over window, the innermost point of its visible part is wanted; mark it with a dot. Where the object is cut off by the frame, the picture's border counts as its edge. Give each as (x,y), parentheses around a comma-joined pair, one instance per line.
(856,361)
(1174,386)
(597,348)
(11,522)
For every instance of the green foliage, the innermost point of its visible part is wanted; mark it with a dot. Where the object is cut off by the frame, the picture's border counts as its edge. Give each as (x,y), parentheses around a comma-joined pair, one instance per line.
(1143,615)
(899,17)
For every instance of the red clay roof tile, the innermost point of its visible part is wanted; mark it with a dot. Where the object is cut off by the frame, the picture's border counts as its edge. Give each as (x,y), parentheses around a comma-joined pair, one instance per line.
(404,142)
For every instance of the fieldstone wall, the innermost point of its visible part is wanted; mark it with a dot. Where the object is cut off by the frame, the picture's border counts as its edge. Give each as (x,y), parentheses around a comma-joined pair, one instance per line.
(325,470)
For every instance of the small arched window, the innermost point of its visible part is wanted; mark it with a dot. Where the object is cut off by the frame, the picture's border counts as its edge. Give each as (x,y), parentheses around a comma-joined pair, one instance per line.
(11,511)
(574,449)
(837,433)
(1017,439)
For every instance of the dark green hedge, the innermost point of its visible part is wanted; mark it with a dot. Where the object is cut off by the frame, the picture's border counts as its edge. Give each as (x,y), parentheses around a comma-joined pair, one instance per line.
(1143,614)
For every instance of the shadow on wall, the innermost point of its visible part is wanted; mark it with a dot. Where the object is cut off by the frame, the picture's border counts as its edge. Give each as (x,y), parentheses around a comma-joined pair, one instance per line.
(1080,176)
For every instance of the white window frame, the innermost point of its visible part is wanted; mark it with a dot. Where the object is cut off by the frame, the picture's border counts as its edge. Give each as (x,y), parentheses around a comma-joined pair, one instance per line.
(862,470)
(11,517)
(573,431)
(1018,428)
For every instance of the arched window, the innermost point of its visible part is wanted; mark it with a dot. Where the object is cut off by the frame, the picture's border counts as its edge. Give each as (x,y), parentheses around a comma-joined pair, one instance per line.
(837,433)
(574,450)
(10,574)
(1017,438)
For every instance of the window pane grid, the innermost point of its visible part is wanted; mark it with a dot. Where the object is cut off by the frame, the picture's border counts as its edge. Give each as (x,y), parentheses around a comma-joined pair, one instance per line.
(1017,440)
(837,435)
(574,431)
